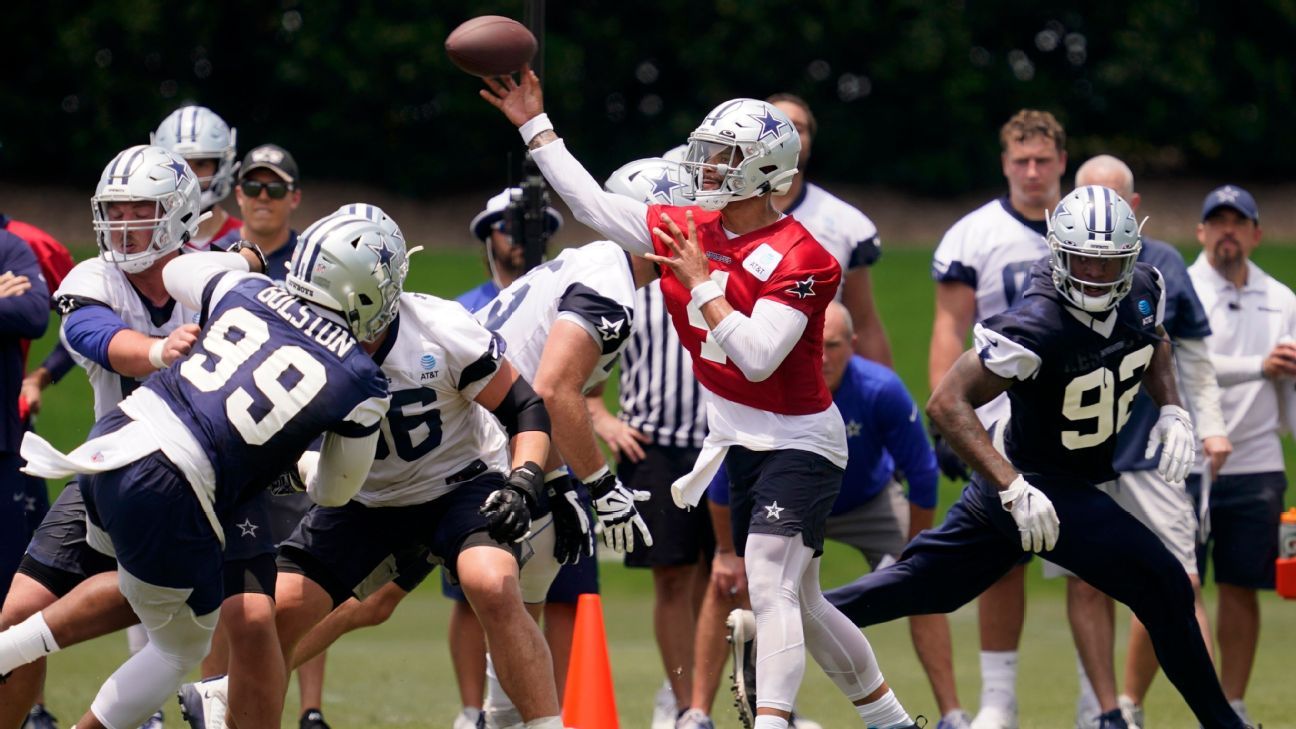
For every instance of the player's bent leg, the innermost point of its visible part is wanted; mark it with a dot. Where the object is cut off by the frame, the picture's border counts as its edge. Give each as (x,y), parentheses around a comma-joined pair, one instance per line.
(775,564)
(349,616)
(1110,549)
(1141,665)
(257,685)
(179,638)
(300,604)
(19,691)
(488,575)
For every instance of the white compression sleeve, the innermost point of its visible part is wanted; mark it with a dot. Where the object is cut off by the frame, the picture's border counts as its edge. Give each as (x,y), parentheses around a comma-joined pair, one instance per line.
(186,276)
(343,465)
(758,344)
(621,219)
(775,565)
(839,647)
(1200,387)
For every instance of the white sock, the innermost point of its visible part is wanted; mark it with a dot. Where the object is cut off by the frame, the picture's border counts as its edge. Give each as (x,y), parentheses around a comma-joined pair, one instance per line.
(548,722)
(1087,706)
(769,721)
(885,712)
(25,642)
(498,706)
(999,679)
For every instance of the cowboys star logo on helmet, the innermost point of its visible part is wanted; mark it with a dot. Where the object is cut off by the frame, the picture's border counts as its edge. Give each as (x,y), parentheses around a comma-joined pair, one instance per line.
(197,133)
(653,180)
(1093,222)
(744,148)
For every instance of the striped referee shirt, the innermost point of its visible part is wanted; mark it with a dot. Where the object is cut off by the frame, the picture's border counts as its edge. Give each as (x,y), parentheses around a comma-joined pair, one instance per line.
(659,396)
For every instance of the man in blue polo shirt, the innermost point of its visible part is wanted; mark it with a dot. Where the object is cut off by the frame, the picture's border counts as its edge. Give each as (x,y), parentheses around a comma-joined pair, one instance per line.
(886,442)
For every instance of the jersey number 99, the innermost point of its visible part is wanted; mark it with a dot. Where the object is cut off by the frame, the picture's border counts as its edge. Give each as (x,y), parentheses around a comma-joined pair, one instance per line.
(229,343)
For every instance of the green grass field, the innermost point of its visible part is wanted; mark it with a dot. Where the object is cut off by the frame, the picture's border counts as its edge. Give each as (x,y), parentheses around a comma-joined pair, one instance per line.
(399,675)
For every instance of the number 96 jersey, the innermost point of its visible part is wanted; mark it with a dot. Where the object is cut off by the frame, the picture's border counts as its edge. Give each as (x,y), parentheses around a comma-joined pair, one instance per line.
(1074,374)
(436,358)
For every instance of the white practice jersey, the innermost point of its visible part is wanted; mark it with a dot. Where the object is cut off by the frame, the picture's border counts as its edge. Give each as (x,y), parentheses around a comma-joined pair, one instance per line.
(992,250)
(439,359)
(591,286)
(845,232)
(95,282)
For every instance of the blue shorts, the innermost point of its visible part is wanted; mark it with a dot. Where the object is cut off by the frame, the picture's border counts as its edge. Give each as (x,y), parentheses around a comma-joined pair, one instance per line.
(785,492)
(572,581)
(353,550)
(158,528)
(1245,511)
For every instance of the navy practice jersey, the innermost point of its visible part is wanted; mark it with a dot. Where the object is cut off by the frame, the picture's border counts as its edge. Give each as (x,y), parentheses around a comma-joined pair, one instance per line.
(1184,319)
(268,375)
(1074,375)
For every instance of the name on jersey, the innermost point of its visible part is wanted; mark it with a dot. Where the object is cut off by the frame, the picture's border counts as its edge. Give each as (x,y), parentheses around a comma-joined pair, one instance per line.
(332,336)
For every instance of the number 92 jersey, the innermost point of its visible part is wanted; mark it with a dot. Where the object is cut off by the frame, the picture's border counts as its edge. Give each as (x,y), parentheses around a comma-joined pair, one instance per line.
(1074,375)
(268,375)
(436,358)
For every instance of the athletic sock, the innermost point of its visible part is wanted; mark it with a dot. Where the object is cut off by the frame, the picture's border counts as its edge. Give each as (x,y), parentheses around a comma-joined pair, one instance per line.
(548,722)
(769,721)
(25,642)
(1087,706)
(885,712)
(999,679)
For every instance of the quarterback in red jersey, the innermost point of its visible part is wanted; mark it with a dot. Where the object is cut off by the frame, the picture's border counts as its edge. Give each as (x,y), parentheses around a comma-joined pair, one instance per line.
(746,288)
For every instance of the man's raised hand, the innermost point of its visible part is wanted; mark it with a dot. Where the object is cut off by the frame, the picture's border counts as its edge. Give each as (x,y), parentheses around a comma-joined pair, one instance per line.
(519,102)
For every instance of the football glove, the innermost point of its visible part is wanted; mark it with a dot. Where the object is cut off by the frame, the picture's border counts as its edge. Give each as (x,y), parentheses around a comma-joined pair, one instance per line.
(1173,432)
(573,528)
(508,510)
(287,483)
(614,504)
(1034,514)
(950,464)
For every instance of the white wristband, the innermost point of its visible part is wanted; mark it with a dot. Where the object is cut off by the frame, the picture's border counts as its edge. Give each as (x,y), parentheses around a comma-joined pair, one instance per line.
(704,292)
(533,126)
(155,355)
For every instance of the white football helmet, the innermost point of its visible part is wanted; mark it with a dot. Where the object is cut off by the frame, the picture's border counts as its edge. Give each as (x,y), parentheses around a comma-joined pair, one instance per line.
(1095,222)
(349,263)
(653,180)
(748,146)
(196,132)
(377,215)
(152,175)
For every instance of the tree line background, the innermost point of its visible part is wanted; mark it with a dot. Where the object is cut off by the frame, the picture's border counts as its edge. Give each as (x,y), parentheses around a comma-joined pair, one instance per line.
(909,94)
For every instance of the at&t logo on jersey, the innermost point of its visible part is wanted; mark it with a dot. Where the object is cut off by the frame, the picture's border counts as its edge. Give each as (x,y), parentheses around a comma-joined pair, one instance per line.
(429,363)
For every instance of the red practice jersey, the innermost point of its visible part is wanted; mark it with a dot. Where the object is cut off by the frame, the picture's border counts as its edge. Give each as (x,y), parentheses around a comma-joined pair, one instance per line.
(782,262)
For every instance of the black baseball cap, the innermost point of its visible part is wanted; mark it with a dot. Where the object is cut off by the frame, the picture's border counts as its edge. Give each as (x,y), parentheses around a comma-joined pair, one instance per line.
(274,158)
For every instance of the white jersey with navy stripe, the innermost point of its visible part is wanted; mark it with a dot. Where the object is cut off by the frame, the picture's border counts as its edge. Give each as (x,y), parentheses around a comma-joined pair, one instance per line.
(95,282)
(440,360)
(591,286)
(992,250)
(845,232)
(659,395)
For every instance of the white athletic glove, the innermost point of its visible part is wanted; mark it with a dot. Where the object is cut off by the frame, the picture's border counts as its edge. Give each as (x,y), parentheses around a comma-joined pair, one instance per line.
(1174,433)
(614,505)
(1034,514)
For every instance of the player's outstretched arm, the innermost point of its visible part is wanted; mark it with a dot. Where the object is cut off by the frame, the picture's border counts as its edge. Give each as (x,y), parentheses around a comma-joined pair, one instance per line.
(185,277)
(620,218)
(343,465)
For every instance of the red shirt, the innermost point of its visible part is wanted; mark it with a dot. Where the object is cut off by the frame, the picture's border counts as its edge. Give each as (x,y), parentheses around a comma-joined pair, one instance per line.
(782,262)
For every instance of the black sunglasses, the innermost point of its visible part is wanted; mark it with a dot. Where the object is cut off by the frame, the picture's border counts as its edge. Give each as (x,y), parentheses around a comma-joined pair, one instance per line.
(276,190)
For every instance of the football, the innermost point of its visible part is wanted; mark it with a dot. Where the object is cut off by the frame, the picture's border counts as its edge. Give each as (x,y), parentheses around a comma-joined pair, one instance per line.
(490,45)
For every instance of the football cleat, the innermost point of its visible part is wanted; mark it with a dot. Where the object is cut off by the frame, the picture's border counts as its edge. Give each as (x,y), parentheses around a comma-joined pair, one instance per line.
(694,719)
(154,722)
(1239,708)
(40,718)
(665,710)
(1112,720)
(742,643)
(470,718)
(203,704)
(995,717)
(1132,712)
(957,719)
(312,719)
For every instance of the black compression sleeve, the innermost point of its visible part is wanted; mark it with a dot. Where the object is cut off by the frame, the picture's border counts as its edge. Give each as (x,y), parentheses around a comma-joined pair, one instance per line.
(522,410)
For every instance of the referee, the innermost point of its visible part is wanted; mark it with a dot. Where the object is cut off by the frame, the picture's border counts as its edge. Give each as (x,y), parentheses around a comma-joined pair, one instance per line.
(656,439)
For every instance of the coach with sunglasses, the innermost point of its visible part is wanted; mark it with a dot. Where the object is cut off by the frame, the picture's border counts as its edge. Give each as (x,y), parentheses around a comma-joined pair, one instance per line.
(268,191)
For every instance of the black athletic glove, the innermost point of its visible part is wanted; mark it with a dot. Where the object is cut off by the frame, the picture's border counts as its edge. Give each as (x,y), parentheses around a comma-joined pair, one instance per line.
(614,504)
(569,503)
(950,464)
(508,510)
(240,245)
(287,483)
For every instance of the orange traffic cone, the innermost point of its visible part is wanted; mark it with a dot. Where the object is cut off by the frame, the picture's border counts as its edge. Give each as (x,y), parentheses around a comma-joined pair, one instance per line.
(589,701)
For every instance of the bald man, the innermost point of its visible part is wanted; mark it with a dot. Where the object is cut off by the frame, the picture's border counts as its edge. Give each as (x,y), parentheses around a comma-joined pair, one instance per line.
(1165,509)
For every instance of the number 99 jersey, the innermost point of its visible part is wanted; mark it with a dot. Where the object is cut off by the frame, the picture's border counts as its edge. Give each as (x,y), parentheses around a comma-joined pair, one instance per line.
(268,375)
(1074,374)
